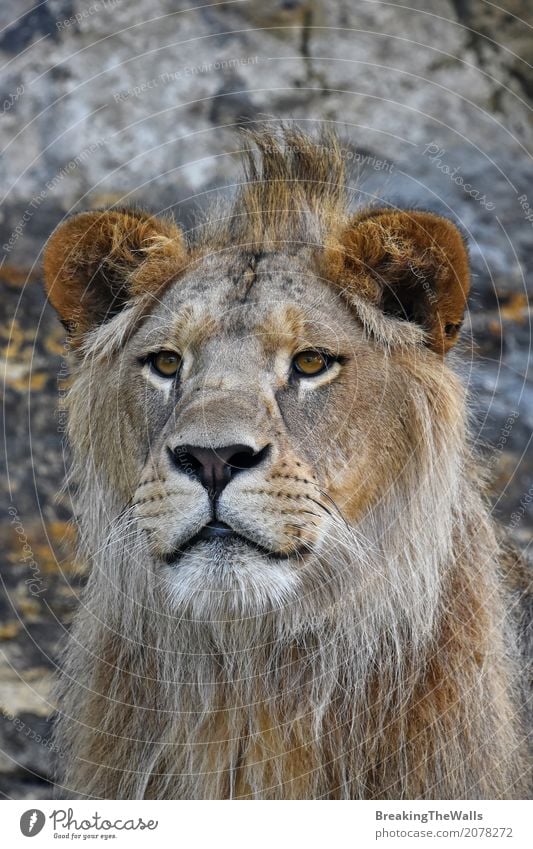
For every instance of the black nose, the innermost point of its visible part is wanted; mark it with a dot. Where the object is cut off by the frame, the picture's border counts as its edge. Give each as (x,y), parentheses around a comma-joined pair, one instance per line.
(215,467)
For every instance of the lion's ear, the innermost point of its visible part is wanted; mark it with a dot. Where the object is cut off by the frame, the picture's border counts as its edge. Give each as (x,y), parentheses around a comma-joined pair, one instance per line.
(414,266)
(96,262)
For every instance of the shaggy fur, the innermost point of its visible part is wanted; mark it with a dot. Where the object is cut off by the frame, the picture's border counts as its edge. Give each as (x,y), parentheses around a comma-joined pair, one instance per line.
(370,652)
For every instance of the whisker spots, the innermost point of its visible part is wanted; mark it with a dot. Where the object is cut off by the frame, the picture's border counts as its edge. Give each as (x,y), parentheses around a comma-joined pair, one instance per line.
(158,497)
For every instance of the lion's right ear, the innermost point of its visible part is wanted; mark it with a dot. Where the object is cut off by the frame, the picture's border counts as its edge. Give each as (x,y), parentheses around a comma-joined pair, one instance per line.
(413,267)
(96,262)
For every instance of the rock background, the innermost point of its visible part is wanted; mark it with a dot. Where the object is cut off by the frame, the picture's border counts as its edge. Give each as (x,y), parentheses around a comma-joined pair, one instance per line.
(106,101)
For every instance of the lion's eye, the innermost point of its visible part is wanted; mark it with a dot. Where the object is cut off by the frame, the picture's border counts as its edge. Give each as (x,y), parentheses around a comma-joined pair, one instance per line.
(310,363)
(166,363)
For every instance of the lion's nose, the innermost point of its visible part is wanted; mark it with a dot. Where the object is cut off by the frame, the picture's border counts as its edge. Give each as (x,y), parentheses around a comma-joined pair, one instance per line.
(215,467)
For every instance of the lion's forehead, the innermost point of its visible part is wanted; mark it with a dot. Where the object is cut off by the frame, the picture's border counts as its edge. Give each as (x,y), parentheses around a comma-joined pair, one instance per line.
(272,300)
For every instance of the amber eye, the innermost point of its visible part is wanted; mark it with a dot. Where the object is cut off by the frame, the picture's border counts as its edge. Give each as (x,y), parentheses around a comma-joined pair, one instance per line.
(166,363)
(310,363)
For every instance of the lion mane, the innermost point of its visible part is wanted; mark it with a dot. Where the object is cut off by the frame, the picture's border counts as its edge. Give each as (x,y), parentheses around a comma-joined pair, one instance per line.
(385,664)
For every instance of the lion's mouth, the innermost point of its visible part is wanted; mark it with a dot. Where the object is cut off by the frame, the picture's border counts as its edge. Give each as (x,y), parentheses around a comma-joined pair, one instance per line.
(224,534)
(216,530)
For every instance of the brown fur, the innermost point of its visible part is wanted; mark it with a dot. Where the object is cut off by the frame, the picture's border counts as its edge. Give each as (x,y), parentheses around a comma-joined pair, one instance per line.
(97,261)
(413,265)
(379,659)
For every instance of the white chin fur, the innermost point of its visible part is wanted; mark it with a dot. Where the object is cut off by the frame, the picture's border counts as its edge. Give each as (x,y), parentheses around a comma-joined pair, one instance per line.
(220,581)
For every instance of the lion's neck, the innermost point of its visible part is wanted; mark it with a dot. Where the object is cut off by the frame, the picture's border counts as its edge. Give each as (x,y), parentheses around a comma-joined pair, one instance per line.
(187,718)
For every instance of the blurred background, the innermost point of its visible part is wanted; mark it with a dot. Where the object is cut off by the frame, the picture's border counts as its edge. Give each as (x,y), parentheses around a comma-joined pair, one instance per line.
(108,101)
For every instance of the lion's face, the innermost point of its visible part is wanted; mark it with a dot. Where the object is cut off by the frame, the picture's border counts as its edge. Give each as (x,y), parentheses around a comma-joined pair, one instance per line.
(267,427)
(243,404)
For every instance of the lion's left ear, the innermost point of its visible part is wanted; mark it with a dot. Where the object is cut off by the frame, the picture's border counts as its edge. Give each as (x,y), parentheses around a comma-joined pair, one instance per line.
(413,266)
(96,262)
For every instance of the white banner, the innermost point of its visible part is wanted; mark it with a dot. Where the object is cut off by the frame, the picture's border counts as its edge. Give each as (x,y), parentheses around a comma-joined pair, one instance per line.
(276,825)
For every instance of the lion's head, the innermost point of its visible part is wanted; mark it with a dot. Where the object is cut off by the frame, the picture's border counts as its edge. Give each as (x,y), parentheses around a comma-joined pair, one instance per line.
(250,398)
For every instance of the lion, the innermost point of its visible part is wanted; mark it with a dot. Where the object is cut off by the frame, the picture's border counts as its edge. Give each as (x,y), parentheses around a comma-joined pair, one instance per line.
(296,588)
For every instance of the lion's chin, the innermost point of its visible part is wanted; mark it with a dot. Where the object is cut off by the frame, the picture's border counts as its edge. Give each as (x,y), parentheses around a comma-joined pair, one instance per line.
(228,579)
